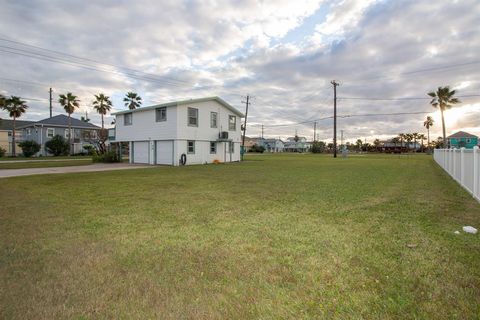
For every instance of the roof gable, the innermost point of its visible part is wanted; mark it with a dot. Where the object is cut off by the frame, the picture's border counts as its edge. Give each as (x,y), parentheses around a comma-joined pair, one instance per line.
(61,120)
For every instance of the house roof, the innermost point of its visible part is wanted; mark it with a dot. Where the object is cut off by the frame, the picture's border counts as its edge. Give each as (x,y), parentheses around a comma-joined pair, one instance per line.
(7,125)
(177,103)
(61,120)
(462,134)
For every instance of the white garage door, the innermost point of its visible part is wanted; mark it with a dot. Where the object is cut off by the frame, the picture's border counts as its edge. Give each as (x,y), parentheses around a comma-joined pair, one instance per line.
(140,152)
(164,152)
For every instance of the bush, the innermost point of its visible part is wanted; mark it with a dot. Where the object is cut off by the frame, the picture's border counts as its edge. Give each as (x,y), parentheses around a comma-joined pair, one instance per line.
(257,148)
(57,146)
(318,147)
(29,148)
(2,152)
(107,157)
(89,149)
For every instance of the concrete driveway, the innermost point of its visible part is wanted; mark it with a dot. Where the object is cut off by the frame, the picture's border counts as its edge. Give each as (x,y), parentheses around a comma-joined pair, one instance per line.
(6,173)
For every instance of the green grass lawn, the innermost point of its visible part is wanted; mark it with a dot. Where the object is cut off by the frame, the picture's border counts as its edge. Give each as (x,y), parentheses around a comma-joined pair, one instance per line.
(45,164)
(274,237)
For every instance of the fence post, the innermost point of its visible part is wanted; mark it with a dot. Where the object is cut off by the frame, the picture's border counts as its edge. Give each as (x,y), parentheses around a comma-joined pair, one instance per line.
(476,173)
(452,172)
(462,166)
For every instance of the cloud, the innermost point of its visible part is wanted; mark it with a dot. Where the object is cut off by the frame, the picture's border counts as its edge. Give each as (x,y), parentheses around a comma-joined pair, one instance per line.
(373,48)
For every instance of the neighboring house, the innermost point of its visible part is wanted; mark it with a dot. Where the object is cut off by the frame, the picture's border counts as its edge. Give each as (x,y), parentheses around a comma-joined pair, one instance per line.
(250,142)
(272,145)
(201,130)
(6,131)
(392,146)
(300,145)
(462,139)
(83,133)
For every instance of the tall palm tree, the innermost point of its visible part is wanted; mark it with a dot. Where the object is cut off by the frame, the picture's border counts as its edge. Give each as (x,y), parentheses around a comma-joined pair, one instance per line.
(402,137)
(443,99)
(409,138)
(427,124)
(132,100)
(102,105)
(415,136)
(15,107)
(69,102)
(422,137)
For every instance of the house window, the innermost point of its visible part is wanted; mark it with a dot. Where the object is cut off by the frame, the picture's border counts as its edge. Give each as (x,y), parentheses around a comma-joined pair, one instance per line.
(29,131)
(161,114)
(67,136)
(213,147)
(127,119)
(193,117)
(232,123)
(469,140)
(50,132)
(213,119)
(231,147)
(191,147)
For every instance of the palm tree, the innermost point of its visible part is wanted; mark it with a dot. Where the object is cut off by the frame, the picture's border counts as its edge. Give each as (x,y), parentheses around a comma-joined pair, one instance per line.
(132,100)
(409,138)
(415,136)
(69,102)
(443,99)
(102,105)
(402,137)
(376,143)
(427,124)
(15,107)
(421,136)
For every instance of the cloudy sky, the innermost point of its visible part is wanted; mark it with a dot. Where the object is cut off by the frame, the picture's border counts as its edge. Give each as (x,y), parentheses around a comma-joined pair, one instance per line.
(283,53)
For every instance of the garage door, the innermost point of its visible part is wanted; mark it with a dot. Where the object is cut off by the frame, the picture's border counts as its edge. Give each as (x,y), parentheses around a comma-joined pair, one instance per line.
(140,152)
(164,152)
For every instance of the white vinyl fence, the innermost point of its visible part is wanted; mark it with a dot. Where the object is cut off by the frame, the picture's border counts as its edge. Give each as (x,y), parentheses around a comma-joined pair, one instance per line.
(463,165)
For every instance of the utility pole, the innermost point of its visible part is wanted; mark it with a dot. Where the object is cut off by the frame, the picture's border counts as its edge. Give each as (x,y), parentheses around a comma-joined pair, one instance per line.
(315,131)
(245,123)
(341,139)
(50,92)
(335,84)
(262,131)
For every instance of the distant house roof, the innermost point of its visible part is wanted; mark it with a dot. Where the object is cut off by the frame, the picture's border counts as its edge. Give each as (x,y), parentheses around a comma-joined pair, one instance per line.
(462,134)
(61,120)
(7,125)
(176,103)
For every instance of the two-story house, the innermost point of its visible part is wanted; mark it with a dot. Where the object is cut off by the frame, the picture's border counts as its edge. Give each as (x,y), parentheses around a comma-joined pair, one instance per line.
(462,139)
(195,131)
(83,133)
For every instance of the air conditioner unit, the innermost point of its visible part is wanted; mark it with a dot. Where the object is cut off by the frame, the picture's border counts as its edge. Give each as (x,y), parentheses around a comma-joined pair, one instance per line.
(223,135)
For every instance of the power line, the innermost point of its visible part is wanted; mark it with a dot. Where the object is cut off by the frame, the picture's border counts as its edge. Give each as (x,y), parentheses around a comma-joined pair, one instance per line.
(400,99)
(88,59)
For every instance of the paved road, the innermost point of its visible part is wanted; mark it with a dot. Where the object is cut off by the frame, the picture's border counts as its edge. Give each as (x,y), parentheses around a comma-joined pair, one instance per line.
(90,168)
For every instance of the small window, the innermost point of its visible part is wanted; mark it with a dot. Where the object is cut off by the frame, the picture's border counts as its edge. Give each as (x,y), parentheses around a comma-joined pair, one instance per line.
(231,147)
(193,117)
(213,147)
(213,119)
(50,132)
(66,133)
(232,123)
(191,147)
(127,119)
(29,131)
(161,114)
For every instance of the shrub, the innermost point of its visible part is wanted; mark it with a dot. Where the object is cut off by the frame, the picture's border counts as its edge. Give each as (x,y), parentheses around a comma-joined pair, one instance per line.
(57,146)
(318,147)
(89,149)
(107,157)
(257,148)
(29,148)
(2,152)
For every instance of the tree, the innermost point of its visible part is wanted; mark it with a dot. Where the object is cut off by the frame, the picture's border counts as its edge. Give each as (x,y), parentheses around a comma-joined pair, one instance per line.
(102,105)
(359,144)
(57,146)
(427,124)
(415,136)
(318,147)
(69,102)
(376,143)
(409,138)
(29,148)
(422,137)
(132,100)
(443,99)
(15,107)
(402,137)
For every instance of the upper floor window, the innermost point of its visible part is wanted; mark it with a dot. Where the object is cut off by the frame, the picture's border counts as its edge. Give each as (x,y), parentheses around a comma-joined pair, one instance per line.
(127,119)
(193,117)
(213,119)
(232,123)
(161,114)
(50,132)
(67,136)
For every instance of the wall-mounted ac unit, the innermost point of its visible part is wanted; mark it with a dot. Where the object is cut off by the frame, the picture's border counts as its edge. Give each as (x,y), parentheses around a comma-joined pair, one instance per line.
(223,135)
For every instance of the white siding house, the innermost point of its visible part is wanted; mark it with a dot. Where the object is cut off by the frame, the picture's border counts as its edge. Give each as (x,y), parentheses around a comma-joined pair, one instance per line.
(203,130)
